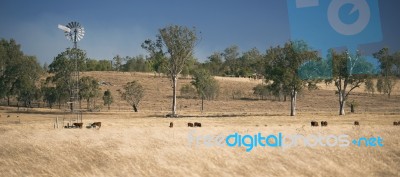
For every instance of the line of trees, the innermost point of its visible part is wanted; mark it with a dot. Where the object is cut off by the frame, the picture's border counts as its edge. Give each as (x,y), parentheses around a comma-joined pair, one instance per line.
(287,70)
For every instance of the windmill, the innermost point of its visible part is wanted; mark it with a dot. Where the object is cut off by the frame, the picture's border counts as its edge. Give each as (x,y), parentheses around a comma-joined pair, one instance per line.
(74,32)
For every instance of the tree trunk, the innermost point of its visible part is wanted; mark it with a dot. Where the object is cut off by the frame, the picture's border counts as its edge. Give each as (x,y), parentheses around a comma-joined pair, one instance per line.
(174,83)
(71,104)
(88,104)
(293,95)
(352,108)
(108,106)
(8,101)
(341,103)
(135,108)
(202,103)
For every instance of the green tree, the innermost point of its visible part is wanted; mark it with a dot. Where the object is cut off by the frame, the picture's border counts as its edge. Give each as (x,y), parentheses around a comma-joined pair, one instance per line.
(369,86)
(117,62)
(19,73)
(136,64)
(104,65)
(157,59)
(249,61)
(107,98)
(189,68)
(389,69)
(62,69)
(344,81)
(89,89)
(10,57)
(180,42)
(91,64)
(133,93)
(28,72)
(284,69)
(231,64)
(49,95)
(379,85)
(207,87)
(187,91)
(214,63)
(261,91)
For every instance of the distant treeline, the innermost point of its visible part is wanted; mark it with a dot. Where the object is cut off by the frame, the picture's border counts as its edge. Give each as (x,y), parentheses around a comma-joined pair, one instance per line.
(286,70)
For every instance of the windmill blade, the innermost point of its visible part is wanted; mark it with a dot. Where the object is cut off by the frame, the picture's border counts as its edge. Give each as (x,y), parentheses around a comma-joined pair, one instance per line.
(75,31)
(64,28)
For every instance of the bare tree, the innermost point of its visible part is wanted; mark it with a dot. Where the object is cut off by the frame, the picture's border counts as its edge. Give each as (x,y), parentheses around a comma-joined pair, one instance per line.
(133,93)
(180,42)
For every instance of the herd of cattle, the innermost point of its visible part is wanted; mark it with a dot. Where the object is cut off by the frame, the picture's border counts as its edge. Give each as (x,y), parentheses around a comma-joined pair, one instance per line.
(325,123)
(196,124)
(80,125)
(313,124)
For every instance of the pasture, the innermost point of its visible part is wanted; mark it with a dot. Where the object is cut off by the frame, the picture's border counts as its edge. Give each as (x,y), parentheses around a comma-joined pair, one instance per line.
(143,144)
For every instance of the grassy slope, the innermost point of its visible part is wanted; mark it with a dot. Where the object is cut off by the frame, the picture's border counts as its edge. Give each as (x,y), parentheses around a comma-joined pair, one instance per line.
(141,144)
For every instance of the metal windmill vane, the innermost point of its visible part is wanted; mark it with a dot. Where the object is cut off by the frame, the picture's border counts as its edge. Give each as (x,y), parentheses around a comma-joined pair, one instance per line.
(73,31)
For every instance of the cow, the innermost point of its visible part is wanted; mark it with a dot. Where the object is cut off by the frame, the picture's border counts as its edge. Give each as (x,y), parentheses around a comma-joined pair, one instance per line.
(314,123)
(324,123)
(356,123)
(395,123)
(79,125)
(190,124)
(96,124)
(171,124)
(197,124)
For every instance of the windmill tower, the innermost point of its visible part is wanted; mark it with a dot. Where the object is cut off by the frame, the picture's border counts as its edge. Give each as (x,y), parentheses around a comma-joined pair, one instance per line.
(74,32)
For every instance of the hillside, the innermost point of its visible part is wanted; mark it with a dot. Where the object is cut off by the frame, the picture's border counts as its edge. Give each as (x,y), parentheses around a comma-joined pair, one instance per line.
(158,97)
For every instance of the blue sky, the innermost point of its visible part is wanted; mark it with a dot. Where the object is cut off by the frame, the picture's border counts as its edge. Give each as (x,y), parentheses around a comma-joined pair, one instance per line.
(120,26)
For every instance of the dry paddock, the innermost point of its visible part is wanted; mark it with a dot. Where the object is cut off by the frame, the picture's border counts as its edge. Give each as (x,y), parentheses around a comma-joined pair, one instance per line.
(142,144)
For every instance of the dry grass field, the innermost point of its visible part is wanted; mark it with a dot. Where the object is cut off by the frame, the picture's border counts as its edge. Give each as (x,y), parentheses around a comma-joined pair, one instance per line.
(142,144)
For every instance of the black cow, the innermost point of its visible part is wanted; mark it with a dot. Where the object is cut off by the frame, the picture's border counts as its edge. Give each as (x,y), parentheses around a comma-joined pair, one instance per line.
(79,125)
(197,124)
(314,123)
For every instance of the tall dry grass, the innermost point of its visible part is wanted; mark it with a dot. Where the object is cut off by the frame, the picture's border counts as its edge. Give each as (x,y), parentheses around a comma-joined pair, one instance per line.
(129,146)
(141,144)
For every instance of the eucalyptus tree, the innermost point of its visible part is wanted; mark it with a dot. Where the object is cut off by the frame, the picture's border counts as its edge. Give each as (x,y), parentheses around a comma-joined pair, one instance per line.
(284,66)
(179,42)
